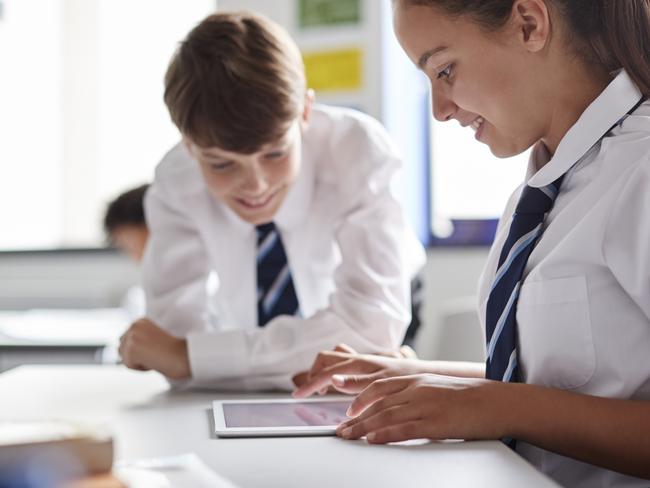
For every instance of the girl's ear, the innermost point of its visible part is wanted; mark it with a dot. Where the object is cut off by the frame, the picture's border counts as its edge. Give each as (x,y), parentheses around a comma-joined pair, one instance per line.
(532,21)
(306,112)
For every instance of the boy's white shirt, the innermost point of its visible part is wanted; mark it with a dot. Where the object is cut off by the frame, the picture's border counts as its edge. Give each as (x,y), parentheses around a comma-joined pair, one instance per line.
(350,251)
(583,313)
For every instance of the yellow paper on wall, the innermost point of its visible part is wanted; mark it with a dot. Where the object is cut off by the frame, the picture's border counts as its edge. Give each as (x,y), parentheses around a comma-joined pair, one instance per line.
(334,70)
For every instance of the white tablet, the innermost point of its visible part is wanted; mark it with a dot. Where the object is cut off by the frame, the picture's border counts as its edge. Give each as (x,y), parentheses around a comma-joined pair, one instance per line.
(282,417)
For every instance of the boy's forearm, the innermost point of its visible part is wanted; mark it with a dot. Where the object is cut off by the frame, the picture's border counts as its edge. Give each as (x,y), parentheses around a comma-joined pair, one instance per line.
(614,434)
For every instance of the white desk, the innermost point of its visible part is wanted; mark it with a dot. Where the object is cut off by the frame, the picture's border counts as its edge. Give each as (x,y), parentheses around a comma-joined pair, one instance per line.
(149,420)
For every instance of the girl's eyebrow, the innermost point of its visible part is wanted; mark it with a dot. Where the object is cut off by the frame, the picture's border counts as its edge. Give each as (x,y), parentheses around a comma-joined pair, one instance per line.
(431,52)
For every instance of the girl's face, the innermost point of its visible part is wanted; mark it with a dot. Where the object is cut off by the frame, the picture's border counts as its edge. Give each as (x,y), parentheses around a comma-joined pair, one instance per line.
(487,82)
(252,185)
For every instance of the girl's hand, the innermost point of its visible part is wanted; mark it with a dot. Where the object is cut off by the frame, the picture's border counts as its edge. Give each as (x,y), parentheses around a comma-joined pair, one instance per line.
(350,372)
(429,406)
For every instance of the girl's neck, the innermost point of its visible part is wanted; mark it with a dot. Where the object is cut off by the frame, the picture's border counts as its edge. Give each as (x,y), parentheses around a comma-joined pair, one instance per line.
(573,93)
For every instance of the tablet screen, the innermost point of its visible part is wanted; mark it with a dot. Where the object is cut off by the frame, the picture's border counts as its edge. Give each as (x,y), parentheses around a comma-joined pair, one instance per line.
(285,414)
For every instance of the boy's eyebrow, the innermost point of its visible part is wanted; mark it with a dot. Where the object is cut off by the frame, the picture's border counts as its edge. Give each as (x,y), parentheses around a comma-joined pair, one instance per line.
(214,158)
(425,57)
(207,153)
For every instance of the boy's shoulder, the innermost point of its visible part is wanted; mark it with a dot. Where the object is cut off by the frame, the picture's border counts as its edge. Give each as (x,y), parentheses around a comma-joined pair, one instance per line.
(342,123)
(343,139)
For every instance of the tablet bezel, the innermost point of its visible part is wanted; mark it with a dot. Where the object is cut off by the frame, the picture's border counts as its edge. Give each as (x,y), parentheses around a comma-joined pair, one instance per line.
(222,430)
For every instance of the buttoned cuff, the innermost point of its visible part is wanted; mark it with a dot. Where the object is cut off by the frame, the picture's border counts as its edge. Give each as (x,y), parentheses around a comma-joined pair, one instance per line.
(218,355)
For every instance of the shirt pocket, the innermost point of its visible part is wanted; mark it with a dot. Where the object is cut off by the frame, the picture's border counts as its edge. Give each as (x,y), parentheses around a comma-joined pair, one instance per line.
(556,347)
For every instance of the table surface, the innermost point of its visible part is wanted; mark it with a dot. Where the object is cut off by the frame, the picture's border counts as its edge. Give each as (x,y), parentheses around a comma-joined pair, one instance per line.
(149,420)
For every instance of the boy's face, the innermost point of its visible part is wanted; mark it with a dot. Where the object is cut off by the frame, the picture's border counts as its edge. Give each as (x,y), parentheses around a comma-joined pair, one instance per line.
(132,239)
(252,185)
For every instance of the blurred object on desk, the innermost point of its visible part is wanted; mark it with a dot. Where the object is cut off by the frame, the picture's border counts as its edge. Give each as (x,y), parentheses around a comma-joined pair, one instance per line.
(46,453)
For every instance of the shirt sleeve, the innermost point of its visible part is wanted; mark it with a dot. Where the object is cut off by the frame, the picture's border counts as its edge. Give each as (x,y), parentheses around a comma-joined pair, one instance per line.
(369,308)
(626,243)
(174,276)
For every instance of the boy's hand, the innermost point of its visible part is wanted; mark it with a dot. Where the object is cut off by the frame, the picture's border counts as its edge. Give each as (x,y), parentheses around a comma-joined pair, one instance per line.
(146,346)
(350,372)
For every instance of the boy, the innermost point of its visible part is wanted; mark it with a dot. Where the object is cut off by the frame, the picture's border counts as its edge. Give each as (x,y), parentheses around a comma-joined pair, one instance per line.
(286,207)
(125,225)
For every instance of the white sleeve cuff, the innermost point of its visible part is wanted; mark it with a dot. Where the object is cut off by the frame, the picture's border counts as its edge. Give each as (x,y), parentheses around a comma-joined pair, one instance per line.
(218,355)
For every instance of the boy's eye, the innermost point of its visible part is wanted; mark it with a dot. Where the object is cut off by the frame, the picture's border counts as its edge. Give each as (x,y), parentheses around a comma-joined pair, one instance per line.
(445,73)
(221,166)
(275,155)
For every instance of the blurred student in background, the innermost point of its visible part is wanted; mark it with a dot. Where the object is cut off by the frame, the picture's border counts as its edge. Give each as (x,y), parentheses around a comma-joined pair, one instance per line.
(125,225)
(126,229)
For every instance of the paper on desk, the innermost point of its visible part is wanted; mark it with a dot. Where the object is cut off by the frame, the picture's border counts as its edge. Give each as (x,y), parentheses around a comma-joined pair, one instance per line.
(183,471)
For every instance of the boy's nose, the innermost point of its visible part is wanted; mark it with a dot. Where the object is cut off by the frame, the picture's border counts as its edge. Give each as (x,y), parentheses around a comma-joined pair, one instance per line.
(255,183)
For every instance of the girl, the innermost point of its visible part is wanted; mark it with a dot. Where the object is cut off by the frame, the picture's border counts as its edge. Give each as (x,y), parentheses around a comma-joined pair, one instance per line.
(565,294)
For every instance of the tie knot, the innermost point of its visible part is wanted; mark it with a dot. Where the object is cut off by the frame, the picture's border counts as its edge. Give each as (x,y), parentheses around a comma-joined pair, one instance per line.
(264,230)
(538,200)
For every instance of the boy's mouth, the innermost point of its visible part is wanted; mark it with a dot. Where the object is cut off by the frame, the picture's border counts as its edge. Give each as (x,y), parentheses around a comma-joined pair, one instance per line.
(257,203)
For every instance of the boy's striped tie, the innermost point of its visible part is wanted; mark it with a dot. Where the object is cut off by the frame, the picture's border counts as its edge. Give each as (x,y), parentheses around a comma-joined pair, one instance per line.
(276,294)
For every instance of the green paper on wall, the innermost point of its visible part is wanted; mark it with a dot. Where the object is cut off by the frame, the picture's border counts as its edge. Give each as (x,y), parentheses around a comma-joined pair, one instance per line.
(325,13)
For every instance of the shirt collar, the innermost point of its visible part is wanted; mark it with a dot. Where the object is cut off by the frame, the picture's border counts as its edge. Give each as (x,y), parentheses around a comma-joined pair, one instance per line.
(297,204)
(612,104)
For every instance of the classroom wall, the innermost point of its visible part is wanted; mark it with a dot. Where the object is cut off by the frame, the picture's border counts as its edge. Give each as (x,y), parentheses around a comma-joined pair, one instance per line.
(366,36)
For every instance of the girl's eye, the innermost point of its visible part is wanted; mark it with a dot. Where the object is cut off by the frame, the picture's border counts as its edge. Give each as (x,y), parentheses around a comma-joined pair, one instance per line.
(445,73)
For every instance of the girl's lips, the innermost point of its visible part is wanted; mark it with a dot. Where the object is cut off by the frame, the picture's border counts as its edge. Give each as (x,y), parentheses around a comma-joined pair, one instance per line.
(478,125)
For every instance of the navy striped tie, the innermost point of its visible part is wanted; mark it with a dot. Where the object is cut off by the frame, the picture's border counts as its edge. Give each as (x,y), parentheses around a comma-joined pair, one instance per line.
(501,326)
(525,230)
(276,294)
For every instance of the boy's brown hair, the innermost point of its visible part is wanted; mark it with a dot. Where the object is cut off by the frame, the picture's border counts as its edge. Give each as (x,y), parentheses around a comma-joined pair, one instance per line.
(236,82)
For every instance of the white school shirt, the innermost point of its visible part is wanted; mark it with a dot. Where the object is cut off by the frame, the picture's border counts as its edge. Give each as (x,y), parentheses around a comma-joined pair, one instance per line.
(350,252)
(583,314)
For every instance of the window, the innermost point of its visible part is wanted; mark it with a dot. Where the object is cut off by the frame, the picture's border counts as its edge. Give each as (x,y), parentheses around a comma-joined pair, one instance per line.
(454,189)
(469,187)
(82,114)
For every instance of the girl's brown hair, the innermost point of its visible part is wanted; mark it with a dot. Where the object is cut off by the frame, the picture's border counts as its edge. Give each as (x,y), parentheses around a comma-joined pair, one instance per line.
(236,82)
(613,33)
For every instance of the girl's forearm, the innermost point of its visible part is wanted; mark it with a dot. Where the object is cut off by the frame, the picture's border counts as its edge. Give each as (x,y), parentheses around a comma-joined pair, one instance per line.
(614,434)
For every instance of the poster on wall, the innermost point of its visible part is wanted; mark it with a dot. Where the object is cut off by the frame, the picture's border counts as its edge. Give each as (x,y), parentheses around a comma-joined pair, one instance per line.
(328,13)
(334,70)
